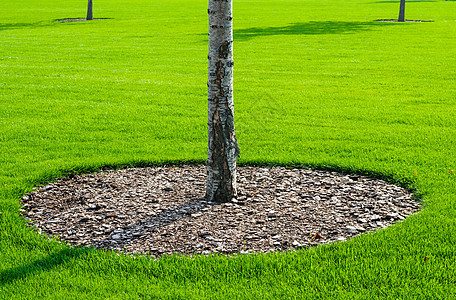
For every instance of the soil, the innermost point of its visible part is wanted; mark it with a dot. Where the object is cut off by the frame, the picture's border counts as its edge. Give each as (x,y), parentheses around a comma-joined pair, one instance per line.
(161,210)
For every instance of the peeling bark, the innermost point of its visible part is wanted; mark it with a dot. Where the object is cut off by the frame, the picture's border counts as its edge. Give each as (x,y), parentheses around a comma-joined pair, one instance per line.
(401,11)
(223,149)
(89,11)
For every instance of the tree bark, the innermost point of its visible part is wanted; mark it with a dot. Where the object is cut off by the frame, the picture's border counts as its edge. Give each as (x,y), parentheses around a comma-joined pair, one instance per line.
(89,11)
(401,11)
(223,149)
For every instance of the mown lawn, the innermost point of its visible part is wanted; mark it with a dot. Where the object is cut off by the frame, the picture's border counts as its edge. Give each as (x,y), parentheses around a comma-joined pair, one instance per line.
(317,83)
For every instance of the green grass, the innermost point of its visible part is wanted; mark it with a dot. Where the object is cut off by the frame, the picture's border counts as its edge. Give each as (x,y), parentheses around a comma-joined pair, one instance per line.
(317,83)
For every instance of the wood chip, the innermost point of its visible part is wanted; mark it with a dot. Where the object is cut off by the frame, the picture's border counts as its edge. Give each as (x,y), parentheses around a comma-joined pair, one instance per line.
(162,210)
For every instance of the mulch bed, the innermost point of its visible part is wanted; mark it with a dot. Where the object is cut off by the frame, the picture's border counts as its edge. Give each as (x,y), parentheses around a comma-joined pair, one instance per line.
(80,19)
(406,21)
(161,210)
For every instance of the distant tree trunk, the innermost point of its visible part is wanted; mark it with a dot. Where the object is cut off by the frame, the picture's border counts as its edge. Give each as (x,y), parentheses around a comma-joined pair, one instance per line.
(89,11)
(401,11)
(223,149)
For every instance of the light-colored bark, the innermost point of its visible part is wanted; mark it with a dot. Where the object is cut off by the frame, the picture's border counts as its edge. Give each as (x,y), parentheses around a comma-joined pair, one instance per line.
(89,10)
(223,149)
(401,11)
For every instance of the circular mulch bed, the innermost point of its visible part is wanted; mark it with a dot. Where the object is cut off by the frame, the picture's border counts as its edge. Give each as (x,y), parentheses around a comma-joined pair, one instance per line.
(80,19)
(161,210)
(406,21)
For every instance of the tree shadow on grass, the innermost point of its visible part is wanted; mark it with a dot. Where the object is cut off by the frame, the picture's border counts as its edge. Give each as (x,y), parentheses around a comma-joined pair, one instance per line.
(10,26)
(308,28)
(41,265)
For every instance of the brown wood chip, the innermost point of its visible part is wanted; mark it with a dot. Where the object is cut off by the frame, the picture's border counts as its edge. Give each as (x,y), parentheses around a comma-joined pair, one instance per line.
(162,210)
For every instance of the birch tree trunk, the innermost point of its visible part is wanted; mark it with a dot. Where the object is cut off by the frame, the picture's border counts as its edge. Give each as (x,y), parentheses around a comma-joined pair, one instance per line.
(401,11)
(223,149)
(89,11)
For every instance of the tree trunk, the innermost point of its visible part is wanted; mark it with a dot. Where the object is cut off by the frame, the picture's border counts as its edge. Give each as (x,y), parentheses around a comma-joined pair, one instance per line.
(223,149)
(89,11)
(401,11)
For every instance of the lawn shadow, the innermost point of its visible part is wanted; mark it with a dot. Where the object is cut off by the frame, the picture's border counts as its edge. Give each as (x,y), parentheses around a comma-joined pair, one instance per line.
(307,28)
(11,26)
(41,265)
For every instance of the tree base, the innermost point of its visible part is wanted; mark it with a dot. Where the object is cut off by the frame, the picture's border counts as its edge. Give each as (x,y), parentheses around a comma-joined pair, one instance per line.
(406,21)
(80,19)
(159,210)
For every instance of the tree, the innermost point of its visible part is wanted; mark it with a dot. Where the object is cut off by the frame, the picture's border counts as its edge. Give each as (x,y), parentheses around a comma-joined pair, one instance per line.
(223,148)
(401,11)
(89,11)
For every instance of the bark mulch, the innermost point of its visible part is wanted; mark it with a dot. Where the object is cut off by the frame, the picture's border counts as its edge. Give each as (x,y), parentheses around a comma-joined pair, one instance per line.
(80,19)
(161,210)
(406,21)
